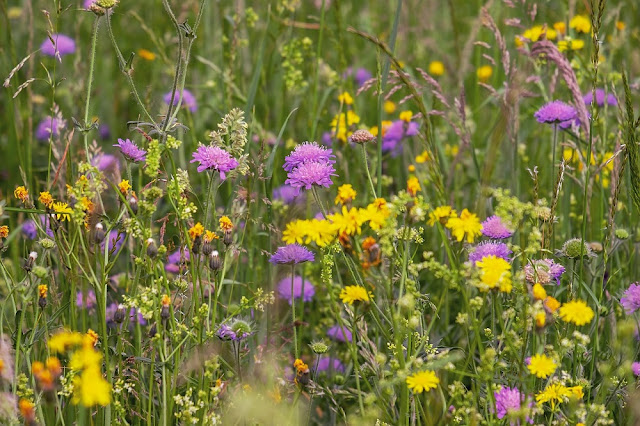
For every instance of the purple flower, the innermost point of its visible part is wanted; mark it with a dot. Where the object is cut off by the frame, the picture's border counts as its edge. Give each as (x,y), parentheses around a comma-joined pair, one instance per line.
(308,152)
(174,260)
(543,271)
(489,248)
(131,151)
(237,330)
(394,134)
(555,112)
(508,399)
(104,131)
(330,364)
(216,158)
(493,227)
(30,230)
(635,367)
(600,98)
(312,173)
(327,139)
(114,240)
(88,301)
(106,162)
(49,126)
(362,75)
(63,44)
(287,194)
(631,299)
(187,99)
(306,291)
(134,316)
(292,254)
(340,334)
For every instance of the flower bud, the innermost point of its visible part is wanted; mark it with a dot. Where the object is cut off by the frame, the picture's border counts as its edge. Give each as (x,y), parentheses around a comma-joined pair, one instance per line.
(152,249)
(197,245)
(362,136)
(133,203)
(215,263)
(118,316)
(98,233)
(207,248)
(228,237)
(28,266)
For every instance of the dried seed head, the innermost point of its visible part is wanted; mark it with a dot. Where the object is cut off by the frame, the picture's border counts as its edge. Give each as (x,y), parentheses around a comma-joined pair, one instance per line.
(362,136)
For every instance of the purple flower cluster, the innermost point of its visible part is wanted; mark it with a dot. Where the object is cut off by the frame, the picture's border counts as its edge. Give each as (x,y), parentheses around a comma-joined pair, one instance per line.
(292,254)
(339,334)
(49,126)
(30,230)
(394,134)
(301,289)
(287,194)
(493,227)
(134,316)
(489,248)
(87,301)
(131,151)
(543,271)
(635,367)
(631,298)
(361,75)
(601,98)
(509,399)
(187,99)
(236,331)
(113,240)
(175,259)
(558,113)
(330,365)
(64,45)
(309,164)
(214,158)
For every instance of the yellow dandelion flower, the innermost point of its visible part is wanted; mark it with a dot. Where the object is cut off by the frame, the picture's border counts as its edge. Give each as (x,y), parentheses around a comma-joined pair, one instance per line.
(4,231)
(61,342)
(147,55)
(42,291)
(62,210)
(295,232)
(376,213)
(539,293)
(90,388)
(196,231)
(560,27)
(620,26)
(92,337)
(349,222)
(541,319)
(580,23)
(346,194)
(467,225)
(210,236)
(542,366)
(551,304)
(46,198)
(495,272)
(441,214)
(389,107)
(406,116)
(21,193)
(553,393)
(484,73)
(124,186)
(413,186)
(86,204)
(576,312)
(354,293)
(322,232)
(422,381)
(436,68)
(225,223)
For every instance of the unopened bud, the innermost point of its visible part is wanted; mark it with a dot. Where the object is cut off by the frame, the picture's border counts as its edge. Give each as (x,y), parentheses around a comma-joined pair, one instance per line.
(207,248)
(118,316)
(215,263)
(152,249)
(30,261)
(228,237)
(98,233)
(133,203)
(197,245)
(362,136)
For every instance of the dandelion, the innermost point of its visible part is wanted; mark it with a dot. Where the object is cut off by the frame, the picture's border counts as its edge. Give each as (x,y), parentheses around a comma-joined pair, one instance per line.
(413,186)
(131,151)
(21,193)
(302,289)
(422,381)
(62,210)
(349,222)
(4,231)
(225,223)
(467,225)
(495,272)
(196,231)
(576,312)
(291,254)
(441,214)
(542,366)
(551,304)
(214,158)
(188,99)
(354,293)
(376,213)
(484,73)
(124,187)
(61,45)
(346,194)
(46,199)
(631,298)
(558,393)
(295,232)
(493,227)
(539,293)
(580,23)
(436,68)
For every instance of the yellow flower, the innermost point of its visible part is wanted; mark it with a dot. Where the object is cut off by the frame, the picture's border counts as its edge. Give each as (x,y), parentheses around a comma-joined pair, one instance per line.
(354,293)
(346,194)
(225,223)
(210,236)
(539,292)
(436,68)
(551,304)
(422,158)
(484,73)
(406,116)
(560,27)
(4,231)
(620,26)
(555,392)
(345,98)
(413,186)
(124,186)
(46,198)
(87,204)
(411,168)
(62,210)
(64,340)
(576,312)
(86,357)
(467,225)
(295,232)
(341,125)
(196,231)
(376,213)
(92,337)
(542,366)
(42,291)
(441,214)
(21,193)
(422,381)
(569,44)
(90,388)
(147,55)
(580,23)
(321,232)
(389,107)
(541,319)
(349,222)
(495,272)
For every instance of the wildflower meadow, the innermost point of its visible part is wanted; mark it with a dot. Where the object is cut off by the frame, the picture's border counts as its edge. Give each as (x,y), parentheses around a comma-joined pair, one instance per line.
(319,212)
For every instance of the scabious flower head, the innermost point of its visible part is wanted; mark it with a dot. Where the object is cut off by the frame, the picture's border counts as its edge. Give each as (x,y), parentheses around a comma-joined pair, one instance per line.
(394,132)
(62,45)
(236,330)
(291,254)
(215,158)
(635,367)
(287,194)
(339,333)
(346,194)
(131,151)
(312,173)
(422,381)
(301,289)
(543,271)
(508,400)
(542,366)
(489,248)
(354,293)
(576,312)
(329,364)
(361,76)
(556,112)
(631,298)
(495,272)
(307,152)
(49,126)
(493,227)
(187,99)
(87,301)
(467,225)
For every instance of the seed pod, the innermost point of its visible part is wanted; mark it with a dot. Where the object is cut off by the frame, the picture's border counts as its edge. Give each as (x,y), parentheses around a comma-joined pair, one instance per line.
(215,263)
(42,302)
(374,252)
(164,313)
(228,237)
(207,248)
(28,266)
(153,330)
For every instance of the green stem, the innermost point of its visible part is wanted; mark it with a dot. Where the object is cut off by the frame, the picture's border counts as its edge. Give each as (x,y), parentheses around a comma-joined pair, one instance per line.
(92,61)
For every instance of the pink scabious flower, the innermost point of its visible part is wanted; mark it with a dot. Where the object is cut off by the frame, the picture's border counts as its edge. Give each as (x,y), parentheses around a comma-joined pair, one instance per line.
(214,158)
(340,334)
(509,399)
(489,248)
(556,112)
(631,298)
(600,98)
(308,152)
(49,126)
(493,227)
(292,254)
(64,45)
(330,365)
(187,99)
(301,289)
(131,151)
(635,367)
(312,173)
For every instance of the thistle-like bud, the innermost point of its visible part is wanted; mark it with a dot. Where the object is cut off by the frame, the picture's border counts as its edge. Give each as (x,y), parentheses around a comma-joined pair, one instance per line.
(153,331)
(215,263)
(152,249)
(118,316)
(98,233)
(164,311)
(42,293)
(133,203)
(207,248)
(228,237)
(374,253)
(197,245)
(319,347)
(28,266)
